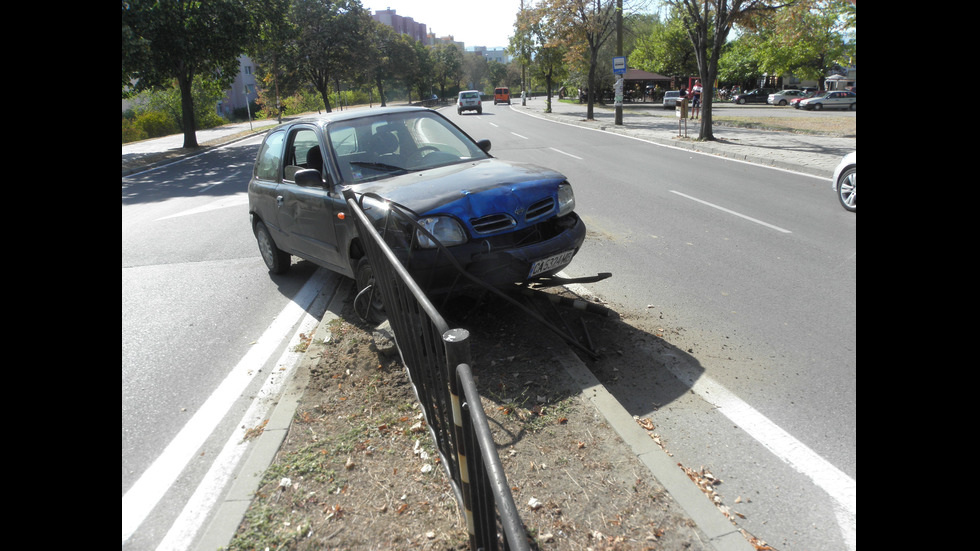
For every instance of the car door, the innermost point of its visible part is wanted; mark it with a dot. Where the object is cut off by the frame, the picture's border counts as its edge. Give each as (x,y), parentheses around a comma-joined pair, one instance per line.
(307,214)
(838,100)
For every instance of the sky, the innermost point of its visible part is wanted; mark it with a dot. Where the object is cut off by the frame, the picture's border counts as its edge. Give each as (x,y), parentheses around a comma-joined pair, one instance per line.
(473,24)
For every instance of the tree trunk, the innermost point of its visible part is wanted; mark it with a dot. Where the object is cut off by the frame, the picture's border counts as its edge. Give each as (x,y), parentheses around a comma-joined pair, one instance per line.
(187,111)
(381,90)
(589,110)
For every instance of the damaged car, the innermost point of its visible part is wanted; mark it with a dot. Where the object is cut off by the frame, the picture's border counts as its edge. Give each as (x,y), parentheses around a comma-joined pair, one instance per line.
(502,222)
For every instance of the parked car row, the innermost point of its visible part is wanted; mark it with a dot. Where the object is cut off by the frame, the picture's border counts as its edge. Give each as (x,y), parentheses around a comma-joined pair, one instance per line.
(800,99)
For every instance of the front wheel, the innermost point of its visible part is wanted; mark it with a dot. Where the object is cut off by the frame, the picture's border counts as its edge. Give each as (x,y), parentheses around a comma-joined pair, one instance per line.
(847,189)
(275,259)
(368,303)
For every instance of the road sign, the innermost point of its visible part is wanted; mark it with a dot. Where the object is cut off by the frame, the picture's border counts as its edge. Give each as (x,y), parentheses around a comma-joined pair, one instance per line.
(619,65)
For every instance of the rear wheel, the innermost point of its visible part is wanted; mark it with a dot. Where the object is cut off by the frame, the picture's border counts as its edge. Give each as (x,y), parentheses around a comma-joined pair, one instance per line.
(275,259)
(368,303)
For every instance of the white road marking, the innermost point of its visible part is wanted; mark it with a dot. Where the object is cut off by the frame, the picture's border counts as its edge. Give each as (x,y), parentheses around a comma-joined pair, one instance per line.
(563,153)
(144,495)
(841,488)
(519,136)
(232,201)
(723,209)
(195,512)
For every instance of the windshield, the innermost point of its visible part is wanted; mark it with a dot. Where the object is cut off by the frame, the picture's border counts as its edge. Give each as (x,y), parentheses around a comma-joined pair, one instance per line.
(371,148)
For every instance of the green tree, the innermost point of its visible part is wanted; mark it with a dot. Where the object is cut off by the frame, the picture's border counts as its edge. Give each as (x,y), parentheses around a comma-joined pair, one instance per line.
(807,39)
(665,49)
(386,56)
(273,48)
(331,35)
(179,40)
(708,23)
(547,47)
(422,71)
(447,66)
(586,25)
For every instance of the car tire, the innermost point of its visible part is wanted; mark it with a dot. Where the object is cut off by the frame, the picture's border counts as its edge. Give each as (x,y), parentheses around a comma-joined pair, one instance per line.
(854,106)
(847,189)
(368,303)
(818,107)
(782,102)
(275,259)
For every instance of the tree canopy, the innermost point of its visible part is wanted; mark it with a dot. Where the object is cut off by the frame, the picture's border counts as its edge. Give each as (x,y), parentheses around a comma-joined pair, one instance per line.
(180,40)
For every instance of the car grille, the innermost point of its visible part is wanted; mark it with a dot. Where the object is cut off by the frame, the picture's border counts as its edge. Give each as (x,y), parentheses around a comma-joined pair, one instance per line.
(495,223)
(539,209)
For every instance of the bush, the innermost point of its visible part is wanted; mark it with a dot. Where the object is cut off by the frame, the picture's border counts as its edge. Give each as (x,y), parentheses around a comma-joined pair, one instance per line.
(131,132)
(155,124)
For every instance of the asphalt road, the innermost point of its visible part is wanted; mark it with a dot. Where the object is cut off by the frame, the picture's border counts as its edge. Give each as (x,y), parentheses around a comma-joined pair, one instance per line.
(751,266)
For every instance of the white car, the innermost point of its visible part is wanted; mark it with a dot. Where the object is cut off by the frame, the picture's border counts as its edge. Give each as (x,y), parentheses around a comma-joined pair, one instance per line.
(782,98)
(845,181)
(671,98)
(469,100)
(835,99)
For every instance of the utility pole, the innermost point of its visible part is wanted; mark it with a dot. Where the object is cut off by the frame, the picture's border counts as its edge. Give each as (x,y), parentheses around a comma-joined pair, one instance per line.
(619,52)
(523,64)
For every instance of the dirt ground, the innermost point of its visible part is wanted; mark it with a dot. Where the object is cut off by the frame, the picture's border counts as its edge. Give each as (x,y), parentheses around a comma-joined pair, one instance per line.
(358,468)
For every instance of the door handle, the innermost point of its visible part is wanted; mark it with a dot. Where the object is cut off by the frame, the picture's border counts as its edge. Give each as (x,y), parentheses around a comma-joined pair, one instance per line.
(279,201)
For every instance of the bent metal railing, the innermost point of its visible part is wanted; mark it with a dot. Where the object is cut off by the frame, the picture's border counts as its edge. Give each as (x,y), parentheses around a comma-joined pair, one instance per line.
(437,359)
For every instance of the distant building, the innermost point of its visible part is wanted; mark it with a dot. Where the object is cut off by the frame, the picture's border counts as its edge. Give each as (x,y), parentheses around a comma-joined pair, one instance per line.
(242,90)
(402,25)
(493,54)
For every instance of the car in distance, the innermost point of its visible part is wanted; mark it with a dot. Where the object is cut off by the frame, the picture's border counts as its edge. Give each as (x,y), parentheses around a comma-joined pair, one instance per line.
(501,94)
(836,99)
(845,181)
(783,97)
(671,98)
(469,100)
(795,102)
(503,222)
(759,95)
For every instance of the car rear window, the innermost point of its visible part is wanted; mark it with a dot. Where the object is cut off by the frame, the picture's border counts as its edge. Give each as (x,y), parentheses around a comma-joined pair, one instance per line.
(471,95)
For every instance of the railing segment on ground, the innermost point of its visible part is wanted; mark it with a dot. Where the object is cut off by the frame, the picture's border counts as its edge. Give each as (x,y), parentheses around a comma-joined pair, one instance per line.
(437,359)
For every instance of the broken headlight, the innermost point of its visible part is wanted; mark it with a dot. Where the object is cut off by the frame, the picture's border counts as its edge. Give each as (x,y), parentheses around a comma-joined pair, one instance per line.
(445,229)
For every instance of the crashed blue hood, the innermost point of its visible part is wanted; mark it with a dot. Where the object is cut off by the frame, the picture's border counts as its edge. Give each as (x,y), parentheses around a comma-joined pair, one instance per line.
(503,186)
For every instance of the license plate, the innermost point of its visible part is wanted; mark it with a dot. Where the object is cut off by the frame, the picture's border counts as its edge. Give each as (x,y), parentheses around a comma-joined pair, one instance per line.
(550,263)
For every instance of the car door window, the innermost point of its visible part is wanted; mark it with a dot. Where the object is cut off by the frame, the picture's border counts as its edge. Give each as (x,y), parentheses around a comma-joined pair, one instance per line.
(267,161)
(298,152)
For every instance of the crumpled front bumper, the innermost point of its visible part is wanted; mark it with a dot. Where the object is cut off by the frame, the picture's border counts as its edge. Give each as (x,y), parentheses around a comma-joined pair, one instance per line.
(496,266)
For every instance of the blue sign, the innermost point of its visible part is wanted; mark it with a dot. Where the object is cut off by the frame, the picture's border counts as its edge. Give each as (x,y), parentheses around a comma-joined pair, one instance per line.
(619,65)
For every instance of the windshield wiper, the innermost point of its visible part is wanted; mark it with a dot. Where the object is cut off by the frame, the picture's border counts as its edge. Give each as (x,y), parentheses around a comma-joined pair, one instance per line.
(378,166)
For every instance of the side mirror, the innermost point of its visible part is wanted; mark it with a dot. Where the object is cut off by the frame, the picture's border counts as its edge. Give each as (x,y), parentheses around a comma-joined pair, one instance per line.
(310,177)
(484,145)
